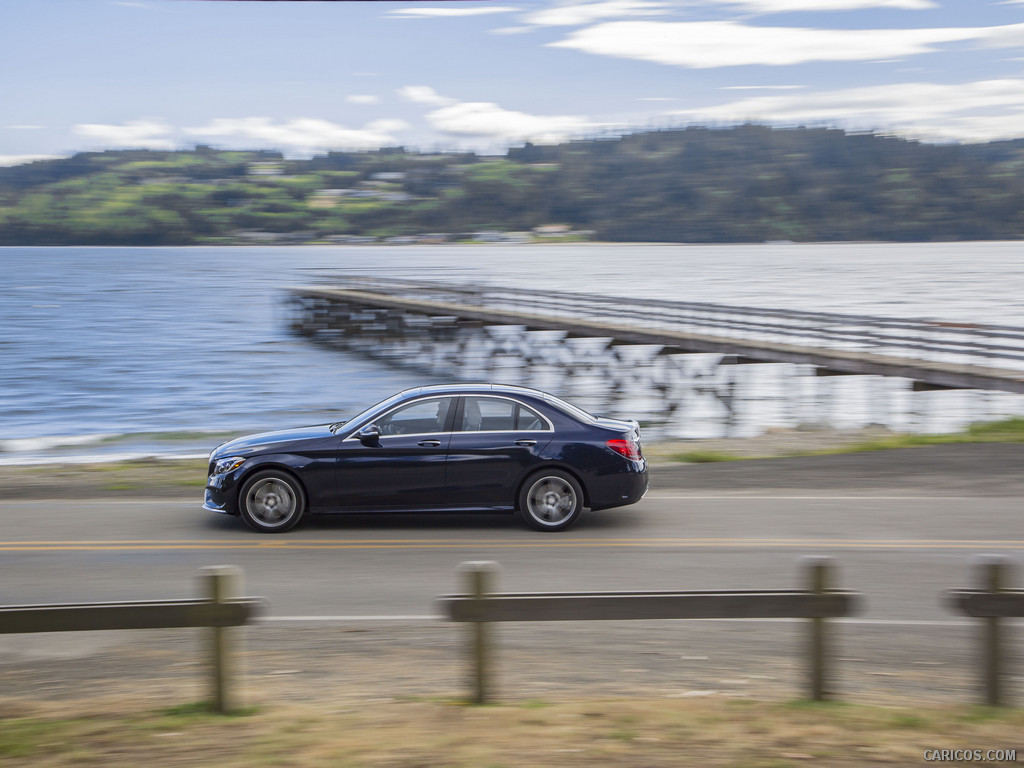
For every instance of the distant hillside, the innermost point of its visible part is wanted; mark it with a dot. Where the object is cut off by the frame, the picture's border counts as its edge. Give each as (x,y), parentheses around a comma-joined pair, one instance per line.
(743,184)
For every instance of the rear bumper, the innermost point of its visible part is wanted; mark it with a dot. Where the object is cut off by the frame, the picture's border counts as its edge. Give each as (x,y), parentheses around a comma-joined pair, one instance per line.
(621,488)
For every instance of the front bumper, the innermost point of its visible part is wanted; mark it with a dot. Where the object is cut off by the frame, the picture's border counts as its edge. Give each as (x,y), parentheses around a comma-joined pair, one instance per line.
(219,496)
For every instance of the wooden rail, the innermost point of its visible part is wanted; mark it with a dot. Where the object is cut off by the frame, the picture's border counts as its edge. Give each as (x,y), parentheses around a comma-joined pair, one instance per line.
(480,606)
(991,602)
(220,609)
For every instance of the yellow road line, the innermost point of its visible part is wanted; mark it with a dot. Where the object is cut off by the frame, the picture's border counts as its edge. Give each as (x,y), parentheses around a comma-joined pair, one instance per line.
(707,543)
(288,542)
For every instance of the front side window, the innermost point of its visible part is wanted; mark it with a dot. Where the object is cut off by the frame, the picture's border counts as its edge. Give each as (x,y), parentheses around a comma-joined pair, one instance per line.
(422,417)
(491,414)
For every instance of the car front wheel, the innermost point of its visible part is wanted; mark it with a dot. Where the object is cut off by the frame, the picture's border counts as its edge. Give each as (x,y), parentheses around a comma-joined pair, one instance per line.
(551,500)
(272,502)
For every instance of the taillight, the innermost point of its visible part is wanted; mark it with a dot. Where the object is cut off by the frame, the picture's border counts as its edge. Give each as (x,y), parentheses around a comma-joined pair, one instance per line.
(628,448)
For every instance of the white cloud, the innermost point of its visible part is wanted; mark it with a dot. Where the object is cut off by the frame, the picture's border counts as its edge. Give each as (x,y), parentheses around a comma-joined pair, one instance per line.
(1009,36)
(580,14)
(424,94)
(576,14)
(761,87)
(784,6)
(303,135)
(707,44)
(424,13)
(976,111)
(358,98)
(23,127)
(487,120)
(490,121)
(145,134)
(6,161)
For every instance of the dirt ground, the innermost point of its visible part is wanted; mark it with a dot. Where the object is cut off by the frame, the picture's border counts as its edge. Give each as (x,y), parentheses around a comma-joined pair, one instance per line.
(418,733)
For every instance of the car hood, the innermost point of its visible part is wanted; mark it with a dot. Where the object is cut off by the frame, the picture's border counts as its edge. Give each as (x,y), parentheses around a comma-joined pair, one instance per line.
(242,446)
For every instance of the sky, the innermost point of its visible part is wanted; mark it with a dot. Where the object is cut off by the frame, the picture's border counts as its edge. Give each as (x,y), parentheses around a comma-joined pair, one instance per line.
(308,77)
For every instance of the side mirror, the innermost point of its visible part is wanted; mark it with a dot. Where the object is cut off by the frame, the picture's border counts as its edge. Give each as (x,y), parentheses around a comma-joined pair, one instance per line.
(369,434)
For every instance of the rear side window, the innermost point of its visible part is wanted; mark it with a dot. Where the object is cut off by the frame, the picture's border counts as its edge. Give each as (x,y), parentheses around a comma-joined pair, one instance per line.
(491,414)
(529,420)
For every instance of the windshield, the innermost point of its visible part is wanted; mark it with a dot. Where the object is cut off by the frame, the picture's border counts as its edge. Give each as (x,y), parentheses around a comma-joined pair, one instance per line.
(368,413)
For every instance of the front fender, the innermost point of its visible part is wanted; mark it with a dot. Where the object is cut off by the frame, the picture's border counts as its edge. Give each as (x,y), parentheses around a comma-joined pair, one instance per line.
(222,490)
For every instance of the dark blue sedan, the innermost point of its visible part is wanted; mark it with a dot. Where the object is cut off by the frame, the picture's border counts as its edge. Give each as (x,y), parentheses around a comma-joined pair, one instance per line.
(431,449)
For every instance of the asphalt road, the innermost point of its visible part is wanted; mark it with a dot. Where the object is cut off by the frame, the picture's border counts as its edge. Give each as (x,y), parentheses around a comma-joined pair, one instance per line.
(902,526)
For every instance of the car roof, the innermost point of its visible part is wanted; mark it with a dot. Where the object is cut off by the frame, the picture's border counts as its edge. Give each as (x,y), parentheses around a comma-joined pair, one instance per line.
(474,389)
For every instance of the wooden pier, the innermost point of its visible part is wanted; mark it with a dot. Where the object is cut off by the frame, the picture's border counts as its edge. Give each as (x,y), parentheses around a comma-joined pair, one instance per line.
(932,354)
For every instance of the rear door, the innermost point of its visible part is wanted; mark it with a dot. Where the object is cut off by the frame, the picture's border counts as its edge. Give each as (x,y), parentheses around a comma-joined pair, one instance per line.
(494,442)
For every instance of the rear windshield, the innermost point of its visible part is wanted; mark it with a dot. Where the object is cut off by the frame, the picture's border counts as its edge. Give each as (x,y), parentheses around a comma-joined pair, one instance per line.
(569,408)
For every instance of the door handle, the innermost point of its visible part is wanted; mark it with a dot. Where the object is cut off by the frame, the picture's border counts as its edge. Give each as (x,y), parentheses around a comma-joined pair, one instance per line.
(429,443)
(526,442)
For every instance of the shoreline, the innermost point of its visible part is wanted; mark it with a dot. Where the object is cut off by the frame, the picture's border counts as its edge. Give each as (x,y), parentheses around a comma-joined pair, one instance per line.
(674,463)
(136,448)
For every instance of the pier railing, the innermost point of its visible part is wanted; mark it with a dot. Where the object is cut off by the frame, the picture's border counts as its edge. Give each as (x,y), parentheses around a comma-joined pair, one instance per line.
(973,344)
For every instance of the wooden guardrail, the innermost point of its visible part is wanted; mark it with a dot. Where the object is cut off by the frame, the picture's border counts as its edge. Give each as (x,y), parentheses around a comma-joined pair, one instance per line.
(991,601)
(481,606)
(221,608)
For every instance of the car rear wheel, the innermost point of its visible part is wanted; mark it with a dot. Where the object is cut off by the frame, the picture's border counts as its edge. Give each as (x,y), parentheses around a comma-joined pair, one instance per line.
(272,501)
(551,500)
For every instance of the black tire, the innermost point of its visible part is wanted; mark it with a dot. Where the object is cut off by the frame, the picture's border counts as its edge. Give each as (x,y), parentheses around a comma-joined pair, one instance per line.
(272,501)
(550,500)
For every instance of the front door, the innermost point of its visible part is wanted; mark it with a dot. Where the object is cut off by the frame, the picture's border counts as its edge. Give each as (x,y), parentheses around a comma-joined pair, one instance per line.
(404,468)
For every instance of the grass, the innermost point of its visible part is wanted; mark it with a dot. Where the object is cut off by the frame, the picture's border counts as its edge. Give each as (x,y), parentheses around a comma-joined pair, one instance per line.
(140,477)
(1005,431)
(211,438)
(203,708)
(705,457)
(415,733)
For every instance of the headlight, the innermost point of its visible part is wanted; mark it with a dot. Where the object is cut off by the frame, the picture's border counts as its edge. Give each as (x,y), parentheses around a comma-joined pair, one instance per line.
(228,464)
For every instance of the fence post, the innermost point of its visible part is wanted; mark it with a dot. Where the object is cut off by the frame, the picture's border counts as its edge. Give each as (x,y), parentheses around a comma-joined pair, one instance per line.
(480,578)
(222,583)
(819,573)
(993,575)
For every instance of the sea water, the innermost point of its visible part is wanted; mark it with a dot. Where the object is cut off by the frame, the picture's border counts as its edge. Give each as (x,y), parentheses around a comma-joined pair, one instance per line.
(118,352)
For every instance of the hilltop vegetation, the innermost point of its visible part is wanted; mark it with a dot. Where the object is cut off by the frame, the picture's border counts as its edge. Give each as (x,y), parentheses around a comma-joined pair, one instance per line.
(744,184)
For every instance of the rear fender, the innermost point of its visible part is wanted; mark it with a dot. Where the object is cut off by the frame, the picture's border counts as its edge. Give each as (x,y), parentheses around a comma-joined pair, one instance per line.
(539,470)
